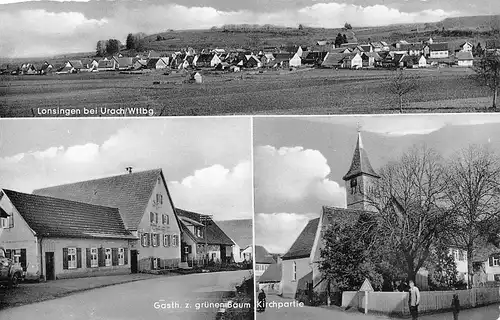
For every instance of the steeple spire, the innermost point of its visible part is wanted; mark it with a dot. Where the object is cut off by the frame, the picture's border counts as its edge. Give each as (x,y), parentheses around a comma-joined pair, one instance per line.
(360,163)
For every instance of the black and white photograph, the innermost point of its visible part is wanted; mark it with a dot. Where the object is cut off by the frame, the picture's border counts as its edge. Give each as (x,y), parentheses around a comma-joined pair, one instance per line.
(91,58)
(377,217)
(126,219)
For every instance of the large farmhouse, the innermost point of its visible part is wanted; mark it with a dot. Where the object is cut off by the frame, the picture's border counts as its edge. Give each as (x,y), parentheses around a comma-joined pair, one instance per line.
(146,208)
(55,238)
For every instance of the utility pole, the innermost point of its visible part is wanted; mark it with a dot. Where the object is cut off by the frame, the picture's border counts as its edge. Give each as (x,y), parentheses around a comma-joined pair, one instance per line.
(205,219)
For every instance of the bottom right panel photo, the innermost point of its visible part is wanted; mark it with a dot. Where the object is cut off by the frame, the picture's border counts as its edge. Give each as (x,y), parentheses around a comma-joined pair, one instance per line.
(375,217)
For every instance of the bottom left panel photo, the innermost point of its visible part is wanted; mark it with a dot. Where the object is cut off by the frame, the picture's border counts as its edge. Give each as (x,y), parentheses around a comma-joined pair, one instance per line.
(126,219)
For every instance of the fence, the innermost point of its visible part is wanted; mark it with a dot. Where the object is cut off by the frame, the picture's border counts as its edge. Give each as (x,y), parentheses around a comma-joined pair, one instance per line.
(396,303)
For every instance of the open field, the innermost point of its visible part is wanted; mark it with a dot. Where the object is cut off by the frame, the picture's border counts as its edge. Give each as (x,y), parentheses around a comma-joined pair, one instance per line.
(313,91)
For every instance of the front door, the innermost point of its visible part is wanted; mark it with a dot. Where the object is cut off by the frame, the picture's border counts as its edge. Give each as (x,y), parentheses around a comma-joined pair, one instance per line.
(49,266)
(133,261)
(184,252)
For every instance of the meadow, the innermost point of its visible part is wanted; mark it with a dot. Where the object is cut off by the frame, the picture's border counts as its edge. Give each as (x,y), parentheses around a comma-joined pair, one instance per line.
(307,91)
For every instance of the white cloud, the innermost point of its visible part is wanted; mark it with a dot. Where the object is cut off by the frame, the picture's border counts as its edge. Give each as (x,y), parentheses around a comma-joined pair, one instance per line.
(224,193)
(293,179)
(277,231)
(222,185)
(396,125)
(73,32)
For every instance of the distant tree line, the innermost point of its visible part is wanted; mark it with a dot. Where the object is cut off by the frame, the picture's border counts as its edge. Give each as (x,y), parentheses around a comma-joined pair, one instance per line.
(340,39)
(135,42)
(107,47)
(256,28)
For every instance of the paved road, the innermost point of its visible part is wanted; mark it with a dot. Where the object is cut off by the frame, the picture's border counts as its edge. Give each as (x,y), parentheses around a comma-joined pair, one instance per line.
(136,300)
(316,313)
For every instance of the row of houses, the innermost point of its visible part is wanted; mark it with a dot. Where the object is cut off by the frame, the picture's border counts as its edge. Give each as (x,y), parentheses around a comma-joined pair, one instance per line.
(298,269)
(119,224)
(348,55)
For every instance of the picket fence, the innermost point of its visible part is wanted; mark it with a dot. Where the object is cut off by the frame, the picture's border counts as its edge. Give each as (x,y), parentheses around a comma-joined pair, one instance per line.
(396,303)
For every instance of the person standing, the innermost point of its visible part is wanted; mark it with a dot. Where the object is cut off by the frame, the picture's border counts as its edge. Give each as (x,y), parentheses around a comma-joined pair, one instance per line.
(455,305)
(262,301)
(414,300)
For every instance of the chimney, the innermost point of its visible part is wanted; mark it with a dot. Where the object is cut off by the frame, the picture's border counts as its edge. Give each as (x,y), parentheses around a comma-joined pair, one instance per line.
(129,169)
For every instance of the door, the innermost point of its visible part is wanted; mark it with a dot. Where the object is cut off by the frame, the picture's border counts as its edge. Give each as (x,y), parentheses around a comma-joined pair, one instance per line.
(133,261)
(50,266)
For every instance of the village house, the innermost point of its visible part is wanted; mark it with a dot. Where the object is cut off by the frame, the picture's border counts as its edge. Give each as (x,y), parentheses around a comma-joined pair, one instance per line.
(206,60)
(145,205)
(263,259)
(157,63)
(107,65)
(124,63)
(241,234)
(203,240)
(140,64)
(422,62)
(465,47)
(370,59)
(314,58)
(53,238)
(486,265)
(28,69)
(46,68)
(89,64)
(270,280)
(464,58)
(437,50)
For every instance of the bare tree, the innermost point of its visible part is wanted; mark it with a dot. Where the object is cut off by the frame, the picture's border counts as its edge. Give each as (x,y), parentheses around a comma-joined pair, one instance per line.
(488,73)
(400,84)
(473,179)
(408,200)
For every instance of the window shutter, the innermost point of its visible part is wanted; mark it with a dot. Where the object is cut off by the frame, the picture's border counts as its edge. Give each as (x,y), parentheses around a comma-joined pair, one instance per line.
(8,252)
(114,256)
(491,261)
(87,256)
(78,257)
(100,257)
(125,256)
(23,259)
(65,258)
(152,263)
(11,221)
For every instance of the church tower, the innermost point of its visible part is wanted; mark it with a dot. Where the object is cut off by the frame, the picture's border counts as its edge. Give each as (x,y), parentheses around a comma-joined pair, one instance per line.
(360,178)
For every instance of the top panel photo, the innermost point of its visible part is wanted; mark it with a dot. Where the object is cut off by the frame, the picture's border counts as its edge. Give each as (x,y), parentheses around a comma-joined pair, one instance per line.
(90,58)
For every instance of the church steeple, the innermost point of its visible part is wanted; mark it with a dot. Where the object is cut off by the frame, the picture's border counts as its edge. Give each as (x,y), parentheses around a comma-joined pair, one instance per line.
(360,178)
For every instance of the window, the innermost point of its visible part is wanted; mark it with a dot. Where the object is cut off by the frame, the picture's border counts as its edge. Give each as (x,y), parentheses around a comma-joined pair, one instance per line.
(455,254)
(156,218)
(198,232)
(163,219)
(354,184)
(175,240)
(166,240)
(495,261)
(121,256)
(108,257)
(71,258)
(159,198)
(294,271)
(17,256)
(151,217)
(93,258)
(154,239)
(461,255)
(145,239)
(5,222)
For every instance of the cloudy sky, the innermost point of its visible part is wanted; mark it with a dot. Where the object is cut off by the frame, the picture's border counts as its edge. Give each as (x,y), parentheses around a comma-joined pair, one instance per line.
(41,28)
(299,162)
(206,161)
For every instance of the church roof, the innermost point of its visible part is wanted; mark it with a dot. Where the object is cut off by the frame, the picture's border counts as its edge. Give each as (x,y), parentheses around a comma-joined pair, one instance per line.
(360,163)
(302,246)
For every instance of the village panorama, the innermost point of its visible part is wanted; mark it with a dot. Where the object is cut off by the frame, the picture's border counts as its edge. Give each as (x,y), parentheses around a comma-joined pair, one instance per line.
(255,69)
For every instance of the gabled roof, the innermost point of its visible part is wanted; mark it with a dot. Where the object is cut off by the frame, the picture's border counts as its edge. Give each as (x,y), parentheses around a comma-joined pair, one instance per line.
(128,192)
(272,274)
(333,59)
(77,64)
(360,163)
(441,46)
(374,55)
(214,234)
(124,61)
(262,256)
(240,231)
(302,246)
(105,64)
(366,47)
(464,55)
(153,54)
(151,64)
(52,217)
(205,57)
